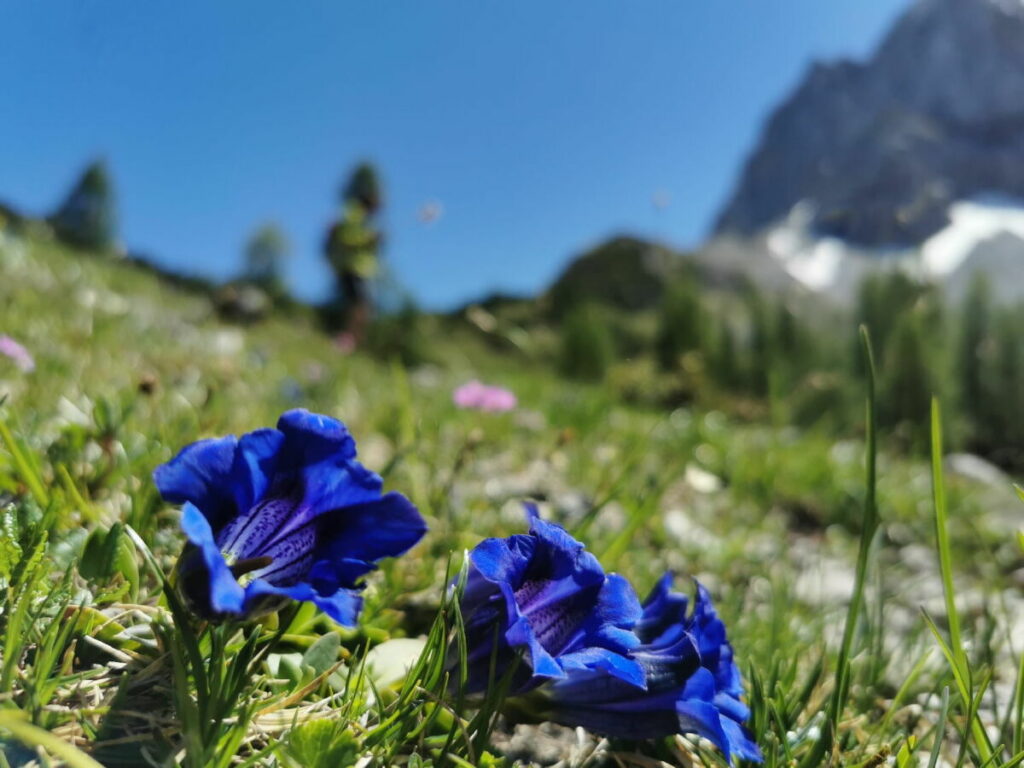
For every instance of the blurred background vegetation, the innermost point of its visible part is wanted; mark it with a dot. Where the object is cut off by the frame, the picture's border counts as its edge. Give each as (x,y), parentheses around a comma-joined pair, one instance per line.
(646,323)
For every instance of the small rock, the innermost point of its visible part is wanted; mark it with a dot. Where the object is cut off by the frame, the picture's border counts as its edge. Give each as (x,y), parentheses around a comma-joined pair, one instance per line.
(976,468)
(544,744)
(242,303)
(701,480)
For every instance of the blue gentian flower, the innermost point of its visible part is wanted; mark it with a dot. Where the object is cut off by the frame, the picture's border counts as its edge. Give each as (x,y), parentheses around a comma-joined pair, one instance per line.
(691,683)
(282,514)
(542,597)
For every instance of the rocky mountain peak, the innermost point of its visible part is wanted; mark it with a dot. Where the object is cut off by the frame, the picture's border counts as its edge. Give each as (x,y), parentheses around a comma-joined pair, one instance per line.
(881,148)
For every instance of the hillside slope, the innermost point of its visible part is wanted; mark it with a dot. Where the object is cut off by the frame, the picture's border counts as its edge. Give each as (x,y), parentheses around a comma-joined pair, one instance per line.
(130,369)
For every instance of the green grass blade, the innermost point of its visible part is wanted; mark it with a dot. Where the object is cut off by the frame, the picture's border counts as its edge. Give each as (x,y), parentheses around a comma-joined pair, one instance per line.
(942,537)
(940,730)
(1017,709)
(957,655)
(24,467)
(870,525)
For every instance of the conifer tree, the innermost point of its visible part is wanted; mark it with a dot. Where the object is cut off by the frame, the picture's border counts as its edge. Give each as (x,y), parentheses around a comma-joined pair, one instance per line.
(265,254)
(907,382)
(975,340)
(792,344)
(759,368)
(352,248)
(882,300)
(1003,372)
(364,189)
(87,217)
(587,345)
(680,323)
(724,364)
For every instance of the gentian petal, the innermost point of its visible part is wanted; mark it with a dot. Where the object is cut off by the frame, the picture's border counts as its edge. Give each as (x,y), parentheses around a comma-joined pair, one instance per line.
(310,438)
(701,718)
(700,685)
(332,485)
(732,707)
(728,674)
(619,722)
(226,596)
(617,610)
(255,465)
(330,575)
(739,741)
(291,556)
(201,474)
(560,555)
(343,605)
(543,663)
(385,527)
(614,663)
(663,610)
(503,560)
(253,533)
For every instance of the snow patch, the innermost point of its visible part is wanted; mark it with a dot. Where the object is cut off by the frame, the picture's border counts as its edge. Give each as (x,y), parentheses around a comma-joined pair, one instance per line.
(829,264)
(813,261)
(971,222)
(1009,7)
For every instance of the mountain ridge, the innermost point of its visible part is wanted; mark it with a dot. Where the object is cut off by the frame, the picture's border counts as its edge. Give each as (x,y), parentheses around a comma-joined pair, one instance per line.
(881,148)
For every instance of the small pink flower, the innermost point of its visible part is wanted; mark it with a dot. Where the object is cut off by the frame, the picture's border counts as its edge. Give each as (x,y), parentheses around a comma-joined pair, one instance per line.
(17,354)
(473,394)
(498,399)
(469,394)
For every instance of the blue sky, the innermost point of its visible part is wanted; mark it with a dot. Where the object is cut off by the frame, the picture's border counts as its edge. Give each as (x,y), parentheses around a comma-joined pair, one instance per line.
(540,125)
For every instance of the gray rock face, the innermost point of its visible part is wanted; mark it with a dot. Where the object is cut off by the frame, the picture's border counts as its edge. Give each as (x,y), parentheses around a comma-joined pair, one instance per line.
(881,148)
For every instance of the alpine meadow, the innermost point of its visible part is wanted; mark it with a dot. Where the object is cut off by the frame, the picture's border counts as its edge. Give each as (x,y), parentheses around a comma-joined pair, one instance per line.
(755,500)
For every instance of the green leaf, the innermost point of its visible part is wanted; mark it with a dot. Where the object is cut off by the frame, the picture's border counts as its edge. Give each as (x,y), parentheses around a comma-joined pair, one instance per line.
(96,563)
(1019,490)
(10,551)
(906,751)
(321,744)
(110,552)
(125,561)
(389,662)
(323,654)
(286,666)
